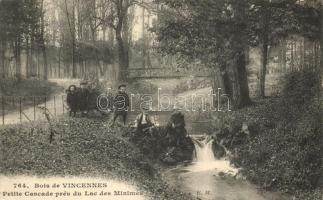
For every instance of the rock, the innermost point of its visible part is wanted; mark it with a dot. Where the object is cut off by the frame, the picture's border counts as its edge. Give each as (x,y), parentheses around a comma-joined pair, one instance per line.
(245,128)
(169,160)
(218,150)
(221,174)
(239,176)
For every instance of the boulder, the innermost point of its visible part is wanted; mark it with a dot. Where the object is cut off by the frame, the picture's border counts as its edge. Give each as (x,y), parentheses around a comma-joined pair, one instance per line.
(218,150)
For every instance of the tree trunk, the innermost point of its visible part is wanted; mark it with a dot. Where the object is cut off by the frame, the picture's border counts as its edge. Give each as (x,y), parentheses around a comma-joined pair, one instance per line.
(292,57)
(123,54)
(74,71)
(147,43)
(38,65)
(221,80)
(226,83)
(43,47)
(27,58)
(143,36)
(240,89)
(72,31)
(31,57)
(123,57)
(59,62)
(111,37)
(319,67)
(17,58)
(263,69)
(45,62)
(2,57)
(283,57)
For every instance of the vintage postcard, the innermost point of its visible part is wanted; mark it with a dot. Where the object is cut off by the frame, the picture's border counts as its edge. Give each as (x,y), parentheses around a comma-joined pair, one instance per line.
(161,100)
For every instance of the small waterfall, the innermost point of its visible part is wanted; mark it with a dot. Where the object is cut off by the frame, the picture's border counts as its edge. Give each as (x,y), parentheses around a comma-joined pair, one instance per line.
(204,157)
(203,150)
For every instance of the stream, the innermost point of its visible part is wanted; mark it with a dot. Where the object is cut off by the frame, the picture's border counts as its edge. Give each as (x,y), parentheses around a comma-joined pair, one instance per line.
(208,178)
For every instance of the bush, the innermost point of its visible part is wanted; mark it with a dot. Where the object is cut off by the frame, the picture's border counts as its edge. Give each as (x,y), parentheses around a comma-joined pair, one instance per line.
(283,148)
(300,87)
(80,147)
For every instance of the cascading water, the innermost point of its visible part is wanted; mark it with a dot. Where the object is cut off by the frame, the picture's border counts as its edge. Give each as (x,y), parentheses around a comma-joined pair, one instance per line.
(203,151)
(209,178)
(204,157)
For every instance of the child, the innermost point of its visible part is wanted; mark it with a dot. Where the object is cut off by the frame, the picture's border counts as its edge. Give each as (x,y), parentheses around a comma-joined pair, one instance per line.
(121,104)
(72,100)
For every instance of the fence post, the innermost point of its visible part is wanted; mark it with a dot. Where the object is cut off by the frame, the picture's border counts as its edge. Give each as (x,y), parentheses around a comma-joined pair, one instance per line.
(45,102)
(20,109)
(55,105)
(63,103)
(2,105)
(34,99)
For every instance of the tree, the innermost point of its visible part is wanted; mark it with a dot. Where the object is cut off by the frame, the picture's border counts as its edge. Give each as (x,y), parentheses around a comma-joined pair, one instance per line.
(207,31)
(42,39)
(71,24)
(20,30)
(270,22)
(218,33)
(117,12)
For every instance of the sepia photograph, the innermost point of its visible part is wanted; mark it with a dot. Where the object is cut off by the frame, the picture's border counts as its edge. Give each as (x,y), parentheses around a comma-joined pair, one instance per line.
(161,100)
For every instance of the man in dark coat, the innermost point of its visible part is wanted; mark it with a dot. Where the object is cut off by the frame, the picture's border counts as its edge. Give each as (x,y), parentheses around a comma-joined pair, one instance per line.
(178,146)
(121,104)
(83,96)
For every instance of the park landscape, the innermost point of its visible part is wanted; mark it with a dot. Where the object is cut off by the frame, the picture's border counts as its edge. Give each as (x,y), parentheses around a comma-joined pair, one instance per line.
(261,59)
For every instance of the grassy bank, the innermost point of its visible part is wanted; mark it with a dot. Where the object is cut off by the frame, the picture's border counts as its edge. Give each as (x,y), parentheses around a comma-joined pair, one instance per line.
(278,141)
(80,147)
(12,90)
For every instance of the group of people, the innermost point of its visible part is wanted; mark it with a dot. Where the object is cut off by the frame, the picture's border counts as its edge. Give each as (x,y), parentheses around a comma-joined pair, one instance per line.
(77,98)
(170,143)
(84,99)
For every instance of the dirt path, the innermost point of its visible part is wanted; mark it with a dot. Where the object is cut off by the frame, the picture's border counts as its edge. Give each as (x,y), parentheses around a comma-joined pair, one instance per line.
(55,104)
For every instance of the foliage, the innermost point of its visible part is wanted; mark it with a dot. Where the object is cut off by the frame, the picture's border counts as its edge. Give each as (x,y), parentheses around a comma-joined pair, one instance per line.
(282,149)
(19,19)
(207,31)
(86,51)
(273,21)
(218,32)
(300,87)
(204,30)
(79,147)
(192,29)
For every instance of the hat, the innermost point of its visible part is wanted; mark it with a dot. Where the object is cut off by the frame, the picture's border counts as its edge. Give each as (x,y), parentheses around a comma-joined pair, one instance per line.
(145,107)
(122,85)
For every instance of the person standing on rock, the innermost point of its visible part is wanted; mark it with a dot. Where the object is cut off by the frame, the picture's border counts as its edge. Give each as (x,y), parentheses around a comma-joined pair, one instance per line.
(121,104)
